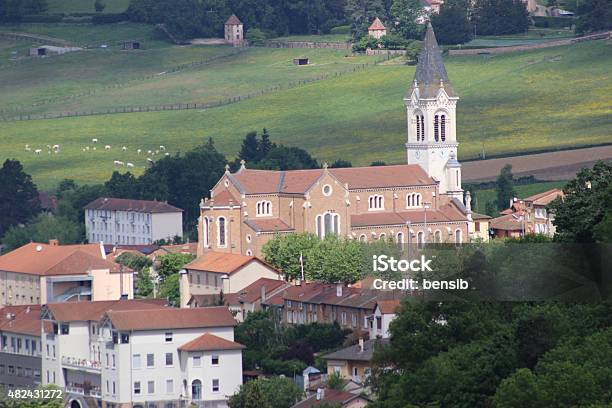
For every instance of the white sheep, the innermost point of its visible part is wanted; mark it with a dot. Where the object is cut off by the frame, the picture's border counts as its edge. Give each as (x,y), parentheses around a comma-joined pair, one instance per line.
(162,147)
(94,148)
(118,163)
(38,151)
(94,140)
(157,152)
(107,147)
(149,160)
(130,164)
(167,154)
(148,152)
(87,148)
(139,151)
(56,147)
(124,148)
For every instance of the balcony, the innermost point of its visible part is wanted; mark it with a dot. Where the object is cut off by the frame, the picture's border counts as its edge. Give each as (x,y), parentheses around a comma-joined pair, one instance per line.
(88,365)
(84,389)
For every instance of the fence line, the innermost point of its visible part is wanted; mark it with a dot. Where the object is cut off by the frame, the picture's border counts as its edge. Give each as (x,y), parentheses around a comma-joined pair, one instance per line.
(186,105)
(91,92)
(309,44)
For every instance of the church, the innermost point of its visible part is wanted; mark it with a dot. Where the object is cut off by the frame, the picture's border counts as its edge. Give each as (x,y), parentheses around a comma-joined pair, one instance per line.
(417,202)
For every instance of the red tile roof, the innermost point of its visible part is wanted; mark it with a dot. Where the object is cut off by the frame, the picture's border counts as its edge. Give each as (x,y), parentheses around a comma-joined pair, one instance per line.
(224,199)
(233,20)
(171,318)
(252,292)
(331,397)
(23,319)
(299,181)
(508,222)
(377,25)
(121,204)
(388,306)
(210,342)
(222,262)
(477,216)
(446,213)
(545,197)
(93,311)
(268,225)
(51,260)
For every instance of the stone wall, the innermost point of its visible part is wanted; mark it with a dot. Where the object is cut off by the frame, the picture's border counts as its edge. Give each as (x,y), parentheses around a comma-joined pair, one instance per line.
(309,44)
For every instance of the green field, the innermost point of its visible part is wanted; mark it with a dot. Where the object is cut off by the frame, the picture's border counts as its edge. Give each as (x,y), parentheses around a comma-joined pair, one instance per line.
(85,6)
(512,103)
(523,191)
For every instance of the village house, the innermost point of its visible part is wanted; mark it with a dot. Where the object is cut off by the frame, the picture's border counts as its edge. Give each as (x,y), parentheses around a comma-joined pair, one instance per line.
(131,222)
(20,347)
(354,362)
(140,354)
(234,31)
(39,273)
(479,227)
(418,202)
(334,398)
(527,216)
(377,29)
(250,299)
(216,272)
(384,313)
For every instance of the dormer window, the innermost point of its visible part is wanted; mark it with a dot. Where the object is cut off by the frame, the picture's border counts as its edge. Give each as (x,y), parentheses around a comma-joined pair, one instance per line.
(263,208)
(376,202)
(413,200)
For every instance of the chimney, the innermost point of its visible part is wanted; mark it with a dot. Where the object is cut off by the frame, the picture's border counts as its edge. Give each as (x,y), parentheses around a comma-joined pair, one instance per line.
(339,290)
(361,347)
(262,294)
(53,242)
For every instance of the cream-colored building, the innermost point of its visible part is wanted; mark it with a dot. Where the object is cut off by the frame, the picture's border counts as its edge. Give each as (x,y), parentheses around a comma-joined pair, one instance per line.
(39,273)
(377,29)
(215,272)
(131,222)
(418,202)
(234,31)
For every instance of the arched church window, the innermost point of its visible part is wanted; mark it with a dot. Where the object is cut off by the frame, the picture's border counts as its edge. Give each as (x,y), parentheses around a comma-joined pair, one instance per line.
(443,127)
(222,234)
(437,128)
(422,128)
(376,202)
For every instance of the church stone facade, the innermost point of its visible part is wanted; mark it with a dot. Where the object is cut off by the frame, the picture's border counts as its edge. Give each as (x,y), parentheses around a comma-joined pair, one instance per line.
(417,202)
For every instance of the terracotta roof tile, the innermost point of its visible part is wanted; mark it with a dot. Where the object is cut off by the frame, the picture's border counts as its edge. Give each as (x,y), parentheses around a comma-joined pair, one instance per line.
(545,197)
(93,311)
(233,20)
(171,318)
(48,260)
(477,216)
(224,198)
(268,225)
(210,342)
(222,262)
(509,222)
(388,306)
(24,319)
(121,204)
(333,397)
(377,25)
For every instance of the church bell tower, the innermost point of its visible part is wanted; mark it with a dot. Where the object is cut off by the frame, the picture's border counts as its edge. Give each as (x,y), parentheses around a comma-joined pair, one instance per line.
(431,112)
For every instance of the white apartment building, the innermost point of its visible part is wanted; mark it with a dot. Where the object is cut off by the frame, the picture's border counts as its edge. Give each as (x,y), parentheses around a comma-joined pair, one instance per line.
(131,222)
(139,354)
(384,313)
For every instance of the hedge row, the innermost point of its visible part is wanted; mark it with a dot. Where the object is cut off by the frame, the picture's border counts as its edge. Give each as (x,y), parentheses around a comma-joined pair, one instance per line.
(553,22)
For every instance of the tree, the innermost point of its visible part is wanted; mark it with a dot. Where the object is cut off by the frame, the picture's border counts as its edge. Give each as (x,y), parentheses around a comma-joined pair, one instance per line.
(249,151)
(341,163)
(144,284)
(41,229)
(585,205)
(274,392)
(593,15)
(497,17)
(123,186)
(335,381)
(452,25)
(19,200)
(99,5)
(405,14)
(134,261)
(361,13)
(335,260)
(171,264)
(505,187)
(169,289)
(287,158)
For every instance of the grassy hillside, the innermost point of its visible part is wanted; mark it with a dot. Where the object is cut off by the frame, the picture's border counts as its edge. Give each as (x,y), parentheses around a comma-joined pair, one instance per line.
(524,191)
(512,103)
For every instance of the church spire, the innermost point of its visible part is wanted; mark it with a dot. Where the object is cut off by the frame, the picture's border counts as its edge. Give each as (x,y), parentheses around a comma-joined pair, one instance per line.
(430,72)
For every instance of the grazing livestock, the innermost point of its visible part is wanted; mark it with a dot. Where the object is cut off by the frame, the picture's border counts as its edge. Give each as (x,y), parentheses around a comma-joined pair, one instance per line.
(162,147)
(148,152)
(37,151)
(55,147)
(149,160)
(124,148)
(167,154)
(139,151)
(94,140)
(130,164)
(118,163)
(107,147)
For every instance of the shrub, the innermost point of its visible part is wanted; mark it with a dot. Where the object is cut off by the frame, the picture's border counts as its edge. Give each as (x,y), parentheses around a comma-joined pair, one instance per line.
(553,22)
(343,29)
(256,37)
(42,18)
(109,18)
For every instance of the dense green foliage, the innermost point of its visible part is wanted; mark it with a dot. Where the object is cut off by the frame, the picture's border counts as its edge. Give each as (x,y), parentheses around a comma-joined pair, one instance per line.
(274,392)
(584,213)
(496,17)
(505,188)
(41,229)
(19,200)
(404,14)
(452,26)
(331,260)
(594,15)
(278,349)
(361,13)
(15,10)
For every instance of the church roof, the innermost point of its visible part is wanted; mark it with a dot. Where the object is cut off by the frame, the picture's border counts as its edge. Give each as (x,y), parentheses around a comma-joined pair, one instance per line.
(430,71)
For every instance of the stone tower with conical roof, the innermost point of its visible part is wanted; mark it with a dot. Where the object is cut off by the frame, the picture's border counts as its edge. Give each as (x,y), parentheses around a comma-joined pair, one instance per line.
(431,108)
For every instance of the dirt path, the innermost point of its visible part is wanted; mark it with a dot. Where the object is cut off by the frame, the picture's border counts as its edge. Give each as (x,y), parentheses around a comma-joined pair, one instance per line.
(561,165)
